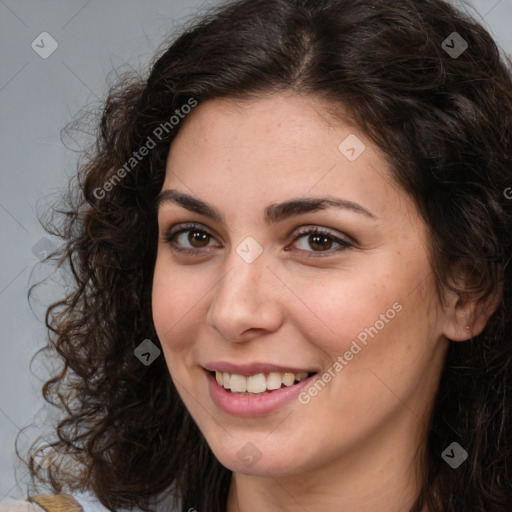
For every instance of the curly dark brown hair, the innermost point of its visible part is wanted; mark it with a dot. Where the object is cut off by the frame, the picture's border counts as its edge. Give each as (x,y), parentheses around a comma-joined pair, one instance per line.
(444,122)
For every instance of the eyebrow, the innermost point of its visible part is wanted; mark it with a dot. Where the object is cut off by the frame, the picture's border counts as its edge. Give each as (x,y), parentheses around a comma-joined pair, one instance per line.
(274,213)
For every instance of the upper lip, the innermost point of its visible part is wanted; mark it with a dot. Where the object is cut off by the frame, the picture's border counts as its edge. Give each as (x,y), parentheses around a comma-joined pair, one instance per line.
(252,368)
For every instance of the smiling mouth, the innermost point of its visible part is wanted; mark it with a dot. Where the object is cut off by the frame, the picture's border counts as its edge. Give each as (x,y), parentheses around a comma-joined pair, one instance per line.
(258,384)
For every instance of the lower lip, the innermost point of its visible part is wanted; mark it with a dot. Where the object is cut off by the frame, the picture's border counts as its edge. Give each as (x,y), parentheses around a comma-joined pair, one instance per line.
(243,405)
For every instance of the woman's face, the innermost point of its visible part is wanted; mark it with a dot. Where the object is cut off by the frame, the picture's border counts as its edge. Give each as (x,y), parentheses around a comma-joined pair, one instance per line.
(304,280)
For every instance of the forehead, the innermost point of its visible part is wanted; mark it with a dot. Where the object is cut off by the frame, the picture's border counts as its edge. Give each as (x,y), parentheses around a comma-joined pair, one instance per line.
(284,120)
(265,150)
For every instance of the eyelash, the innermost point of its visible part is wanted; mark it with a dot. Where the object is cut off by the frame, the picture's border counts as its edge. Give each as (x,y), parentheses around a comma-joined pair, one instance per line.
(184,228)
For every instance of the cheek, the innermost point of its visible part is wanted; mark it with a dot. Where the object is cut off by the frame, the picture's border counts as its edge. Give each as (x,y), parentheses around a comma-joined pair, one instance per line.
(178,300)
(379,318)
(335,310)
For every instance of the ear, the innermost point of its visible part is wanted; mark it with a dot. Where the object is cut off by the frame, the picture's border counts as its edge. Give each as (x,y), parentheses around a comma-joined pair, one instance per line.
(466,314)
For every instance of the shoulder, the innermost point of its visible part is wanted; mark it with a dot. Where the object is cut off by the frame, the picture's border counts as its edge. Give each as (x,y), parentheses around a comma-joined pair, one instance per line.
(12,505)
(53,503)
(78,502)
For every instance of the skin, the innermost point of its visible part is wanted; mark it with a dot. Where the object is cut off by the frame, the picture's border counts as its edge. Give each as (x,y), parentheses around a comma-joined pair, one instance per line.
(356,445)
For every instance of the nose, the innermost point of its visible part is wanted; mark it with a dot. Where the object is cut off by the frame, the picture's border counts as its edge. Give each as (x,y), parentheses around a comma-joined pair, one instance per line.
(246,301)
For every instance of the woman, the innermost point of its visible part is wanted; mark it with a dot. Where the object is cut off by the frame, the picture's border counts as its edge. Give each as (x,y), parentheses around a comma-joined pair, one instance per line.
(290,255)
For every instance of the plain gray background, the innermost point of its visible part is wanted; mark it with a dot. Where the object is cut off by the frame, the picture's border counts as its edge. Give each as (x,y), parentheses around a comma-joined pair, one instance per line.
(38,97)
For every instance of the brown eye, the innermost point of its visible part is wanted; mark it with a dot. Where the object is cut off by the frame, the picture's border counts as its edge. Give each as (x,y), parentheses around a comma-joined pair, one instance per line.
(316,241)
(198,238)
(189,239)
(320,242)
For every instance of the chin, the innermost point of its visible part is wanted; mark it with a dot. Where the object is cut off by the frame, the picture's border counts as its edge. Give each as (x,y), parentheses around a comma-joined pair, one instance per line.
(259,456)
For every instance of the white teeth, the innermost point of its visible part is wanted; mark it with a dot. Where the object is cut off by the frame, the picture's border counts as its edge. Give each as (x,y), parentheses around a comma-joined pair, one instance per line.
(274,380)
(259,383)
(256,383)
(288,379)
(238,383)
